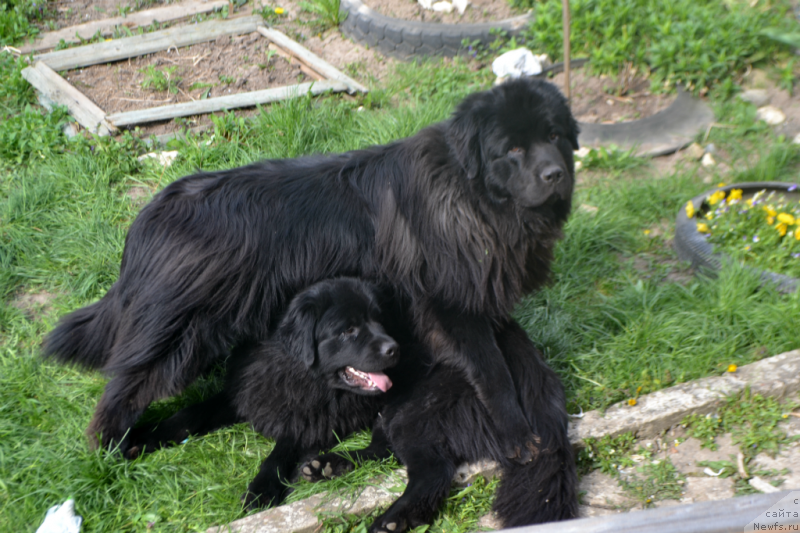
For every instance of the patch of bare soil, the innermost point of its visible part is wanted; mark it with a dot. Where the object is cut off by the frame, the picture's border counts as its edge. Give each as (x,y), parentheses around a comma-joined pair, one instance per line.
(477,11)
(604,100)
(33,305)
(229,65)
(789,104)
(73,12)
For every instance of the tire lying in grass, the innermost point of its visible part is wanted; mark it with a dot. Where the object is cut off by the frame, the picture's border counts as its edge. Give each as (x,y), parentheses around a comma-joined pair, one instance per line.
(407,39)
(691,245)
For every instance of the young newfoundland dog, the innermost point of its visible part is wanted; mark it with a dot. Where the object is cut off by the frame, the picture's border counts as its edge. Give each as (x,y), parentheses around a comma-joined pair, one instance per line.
(320,376)
(460,219)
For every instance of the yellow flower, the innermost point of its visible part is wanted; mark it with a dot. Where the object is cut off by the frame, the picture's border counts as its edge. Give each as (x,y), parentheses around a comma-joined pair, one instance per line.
(279,11)
(709,215)
(786,218)
(632,402)
(732,368)
(770,220)
(702,227)
(797,234)
(736,194)
(781,229)
(770,211)
(750,201)
(689,209)
(720,184)
(647,232)
(716,197)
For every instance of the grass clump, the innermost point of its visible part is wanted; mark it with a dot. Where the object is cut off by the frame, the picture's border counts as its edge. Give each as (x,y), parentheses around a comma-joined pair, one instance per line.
(752,420)
(696,43)
(161,80)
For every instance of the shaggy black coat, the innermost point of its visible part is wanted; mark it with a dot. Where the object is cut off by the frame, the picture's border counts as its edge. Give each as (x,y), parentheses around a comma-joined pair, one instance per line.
(307,386)
(434,421)
(460,219)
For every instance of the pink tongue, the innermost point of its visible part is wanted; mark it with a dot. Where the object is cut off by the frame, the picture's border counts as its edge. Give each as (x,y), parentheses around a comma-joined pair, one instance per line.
(381,380)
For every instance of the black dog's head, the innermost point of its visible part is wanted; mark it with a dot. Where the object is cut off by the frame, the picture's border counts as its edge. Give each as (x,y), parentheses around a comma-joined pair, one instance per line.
(516,141)
(334,329)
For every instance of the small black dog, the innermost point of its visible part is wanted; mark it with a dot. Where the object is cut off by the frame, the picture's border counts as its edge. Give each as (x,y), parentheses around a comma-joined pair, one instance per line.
(434,421)
(320,376)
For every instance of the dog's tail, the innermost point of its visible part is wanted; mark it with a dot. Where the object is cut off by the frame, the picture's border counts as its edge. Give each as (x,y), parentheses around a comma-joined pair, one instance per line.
(545,489)
(84,337)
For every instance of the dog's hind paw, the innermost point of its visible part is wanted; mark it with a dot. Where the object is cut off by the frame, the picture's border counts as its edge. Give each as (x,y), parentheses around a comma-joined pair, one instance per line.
(325,466)
(388,526)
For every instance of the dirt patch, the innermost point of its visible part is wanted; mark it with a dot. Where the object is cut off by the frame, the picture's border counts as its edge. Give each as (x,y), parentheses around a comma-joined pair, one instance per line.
(65,13)
(226,66)
(477,11)
(605,100)
(33,304)
(788,104)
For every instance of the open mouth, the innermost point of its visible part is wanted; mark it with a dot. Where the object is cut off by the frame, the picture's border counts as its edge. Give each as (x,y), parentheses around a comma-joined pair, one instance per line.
(368,381)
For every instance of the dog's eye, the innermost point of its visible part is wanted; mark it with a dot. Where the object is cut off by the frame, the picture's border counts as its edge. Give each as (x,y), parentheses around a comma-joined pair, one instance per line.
(516,151)
(352,331)
(553,137)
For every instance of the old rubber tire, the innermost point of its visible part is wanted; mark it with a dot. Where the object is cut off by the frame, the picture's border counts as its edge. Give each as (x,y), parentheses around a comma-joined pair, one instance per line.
(408,39)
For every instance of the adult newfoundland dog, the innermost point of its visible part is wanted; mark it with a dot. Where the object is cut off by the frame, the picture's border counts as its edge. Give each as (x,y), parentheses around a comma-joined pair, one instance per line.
(321,375)
(460,219)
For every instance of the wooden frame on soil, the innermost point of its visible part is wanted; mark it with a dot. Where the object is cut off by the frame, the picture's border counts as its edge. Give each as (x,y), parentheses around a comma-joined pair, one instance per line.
(54,89)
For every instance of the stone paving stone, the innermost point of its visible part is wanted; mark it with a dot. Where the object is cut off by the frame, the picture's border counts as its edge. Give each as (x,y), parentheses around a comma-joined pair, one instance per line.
(686,455)
(789,457)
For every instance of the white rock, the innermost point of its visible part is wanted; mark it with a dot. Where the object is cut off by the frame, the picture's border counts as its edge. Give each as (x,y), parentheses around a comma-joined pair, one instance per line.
(771,115)
(165,159)
(796,139)
(516,63)
(442,7)
(708,161)
(695,151)
(757,97)
(460,5)
(426,4)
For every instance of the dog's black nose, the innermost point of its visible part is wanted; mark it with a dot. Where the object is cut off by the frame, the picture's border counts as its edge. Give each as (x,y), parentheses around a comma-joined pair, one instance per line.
(552,173)
(389,349)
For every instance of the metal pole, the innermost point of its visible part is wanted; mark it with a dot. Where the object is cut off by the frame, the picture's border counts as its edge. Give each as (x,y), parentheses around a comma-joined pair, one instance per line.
(565,10)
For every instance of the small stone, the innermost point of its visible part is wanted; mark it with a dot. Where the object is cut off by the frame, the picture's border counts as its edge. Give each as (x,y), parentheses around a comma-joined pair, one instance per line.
(708,161)
(695,151)
(796,139)
(771,115)
(757,97)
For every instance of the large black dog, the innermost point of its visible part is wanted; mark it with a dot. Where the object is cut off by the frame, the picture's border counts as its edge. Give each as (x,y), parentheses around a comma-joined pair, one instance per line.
(434,421)
(318,378)
(461,219)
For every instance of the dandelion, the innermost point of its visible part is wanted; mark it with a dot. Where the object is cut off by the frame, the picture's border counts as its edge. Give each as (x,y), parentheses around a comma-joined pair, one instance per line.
(716,197)
(781,229)
(736,194)
(632,402)
(647,232)
(786,218)
(279,11)
(702,227)
(732,368)
(690,209)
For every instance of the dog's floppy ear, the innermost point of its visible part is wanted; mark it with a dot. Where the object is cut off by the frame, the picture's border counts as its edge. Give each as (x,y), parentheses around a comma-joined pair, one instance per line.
(297,329)
(463,135)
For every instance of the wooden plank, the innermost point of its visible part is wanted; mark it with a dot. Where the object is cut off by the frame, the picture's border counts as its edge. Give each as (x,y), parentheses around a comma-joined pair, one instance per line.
(312,60)
(721,516)
(308,71)
(138,45)
(56,89)
(106,26)
(221,103)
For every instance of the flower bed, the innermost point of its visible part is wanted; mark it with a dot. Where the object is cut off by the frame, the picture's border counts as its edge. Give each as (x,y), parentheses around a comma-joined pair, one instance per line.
(755,223)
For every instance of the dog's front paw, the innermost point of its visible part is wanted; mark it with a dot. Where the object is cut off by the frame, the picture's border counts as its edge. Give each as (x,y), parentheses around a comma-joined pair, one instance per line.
(388,525)
(325,466)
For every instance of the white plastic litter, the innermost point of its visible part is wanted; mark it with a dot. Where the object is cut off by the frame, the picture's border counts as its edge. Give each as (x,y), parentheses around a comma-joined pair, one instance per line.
(460,5)
(426,4)
(165,159)
(61,519)
(442,7)
(516,63)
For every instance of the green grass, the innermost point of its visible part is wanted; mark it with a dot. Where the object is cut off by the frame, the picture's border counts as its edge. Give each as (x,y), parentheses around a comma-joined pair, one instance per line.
(621,318)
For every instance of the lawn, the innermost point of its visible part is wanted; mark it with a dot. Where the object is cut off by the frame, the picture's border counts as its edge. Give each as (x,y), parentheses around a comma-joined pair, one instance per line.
(622,317)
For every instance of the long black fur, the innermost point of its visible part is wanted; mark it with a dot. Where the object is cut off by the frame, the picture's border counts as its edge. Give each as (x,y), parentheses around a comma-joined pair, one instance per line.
(460,219)
(290,387)
(434,421)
